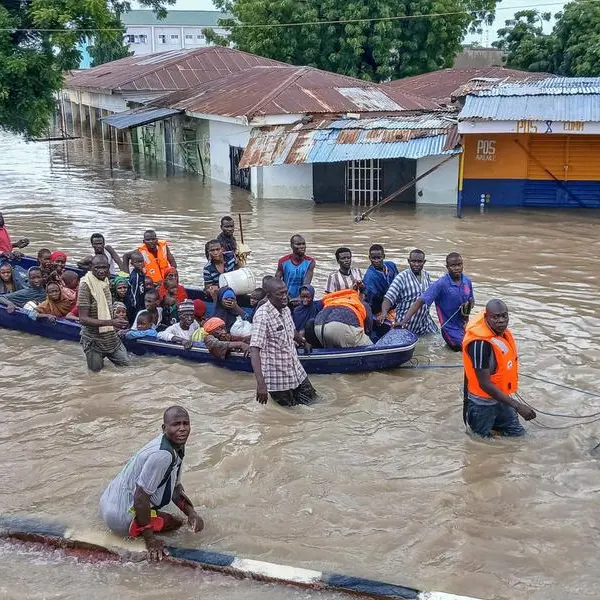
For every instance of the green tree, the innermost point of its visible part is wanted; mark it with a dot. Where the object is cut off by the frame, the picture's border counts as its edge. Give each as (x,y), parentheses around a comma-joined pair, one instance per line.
(526,45)
(108,46)
(39,40)
(371,48)
(577,34)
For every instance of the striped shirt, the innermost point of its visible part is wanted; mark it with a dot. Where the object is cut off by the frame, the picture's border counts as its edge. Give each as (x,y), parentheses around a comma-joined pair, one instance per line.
(337,281)
(405,289)
(211,274)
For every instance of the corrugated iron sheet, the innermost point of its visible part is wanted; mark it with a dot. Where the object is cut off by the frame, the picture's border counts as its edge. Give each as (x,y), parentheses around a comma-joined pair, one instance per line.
(277,90)
(553,86)
(305,144)
(533,108)
(166,71)
(138,116)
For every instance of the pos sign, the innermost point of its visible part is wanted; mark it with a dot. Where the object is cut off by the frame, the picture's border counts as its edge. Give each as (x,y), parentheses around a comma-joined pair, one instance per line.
(486,150)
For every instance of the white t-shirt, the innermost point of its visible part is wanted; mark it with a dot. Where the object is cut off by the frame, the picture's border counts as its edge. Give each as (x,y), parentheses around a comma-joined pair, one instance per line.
(113,268)
(154,325)
(146,469)
(175,330)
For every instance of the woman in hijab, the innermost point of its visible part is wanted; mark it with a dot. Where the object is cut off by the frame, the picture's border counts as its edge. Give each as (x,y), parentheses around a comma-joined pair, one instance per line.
(307,309)
(227,308)
(120,288)
(10,280)
(58,303)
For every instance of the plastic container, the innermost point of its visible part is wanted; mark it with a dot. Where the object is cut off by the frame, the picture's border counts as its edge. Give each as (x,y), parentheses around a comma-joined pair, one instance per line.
(241,281)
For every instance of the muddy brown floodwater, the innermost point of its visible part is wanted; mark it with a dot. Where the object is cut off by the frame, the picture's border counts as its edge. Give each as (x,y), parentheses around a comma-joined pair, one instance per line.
(379,478)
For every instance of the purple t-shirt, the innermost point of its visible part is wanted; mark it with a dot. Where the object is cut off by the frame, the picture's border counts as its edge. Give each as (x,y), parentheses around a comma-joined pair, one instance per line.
(448,295)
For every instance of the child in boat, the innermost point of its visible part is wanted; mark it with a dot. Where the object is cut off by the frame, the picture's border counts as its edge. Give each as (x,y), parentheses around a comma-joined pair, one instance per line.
(181,332)
(220,343)
(169,303)
(137,287)
(152,308)
(119,310)
(255,297)
(142,328)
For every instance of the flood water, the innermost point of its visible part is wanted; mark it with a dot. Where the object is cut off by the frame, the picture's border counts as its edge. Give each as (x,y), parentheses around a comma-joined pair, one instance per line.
(378,479)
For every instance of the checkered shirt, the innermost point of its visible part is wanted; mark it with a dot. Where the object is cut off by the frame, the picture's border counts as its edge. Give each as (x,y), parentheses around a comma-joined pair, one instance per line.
(273,334)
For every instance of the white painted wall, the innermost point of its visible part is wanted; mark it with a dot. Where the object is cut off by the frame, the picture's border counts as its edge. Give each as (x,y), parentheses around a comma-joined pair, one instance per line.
(111,102)
(223,135)
(288,182)
(441,186)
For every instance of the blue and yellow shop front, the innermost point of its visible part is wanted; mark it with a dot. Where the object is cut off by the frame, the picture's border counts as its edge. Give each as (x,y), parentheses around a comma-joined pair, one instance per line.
(531,164)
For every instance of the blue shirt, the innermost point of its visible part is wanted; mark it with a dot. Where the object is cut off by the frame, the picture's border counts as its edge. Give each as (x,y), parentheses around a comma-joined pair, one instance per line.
(211,273)
(378,282)
(294,274)
(448,295)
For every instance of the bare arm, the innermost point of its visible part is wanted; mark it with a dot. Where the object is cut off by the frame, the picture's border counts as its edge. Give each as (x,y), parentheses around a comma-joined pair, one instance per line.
(85,263)
(170,258)
(125,260)
(85,319)
(416,305)
(187,344)
(279,272)
(309,274)
(262,394)
(184,504)
(142,506)
(115,257)
(485,383)
(10,306)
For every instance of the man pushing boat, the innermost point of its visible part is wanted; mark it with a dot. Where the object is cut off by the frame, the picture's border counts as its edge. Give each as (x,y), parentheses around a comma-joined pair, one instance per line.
(148,482)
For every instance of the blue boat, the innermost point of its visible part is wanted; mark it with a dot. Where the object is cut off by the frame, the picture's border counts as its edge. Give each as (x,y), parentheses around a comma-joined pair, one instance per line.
(320,361)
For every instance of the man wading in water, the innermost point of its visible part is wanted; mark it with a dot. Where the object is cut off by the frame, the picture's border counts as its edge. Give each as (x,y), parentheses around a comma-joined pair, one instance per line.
(149,481)
(273,352)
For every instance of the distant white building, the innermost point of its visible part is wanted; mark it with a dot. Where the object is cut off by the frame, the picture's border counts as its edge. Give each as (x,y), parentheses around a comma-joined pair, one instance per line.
(180,29)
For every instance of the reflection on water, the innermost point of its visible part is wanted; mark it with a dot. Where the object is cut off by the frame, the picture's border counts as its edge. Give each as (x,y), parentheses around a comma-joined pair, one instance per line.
(378,479)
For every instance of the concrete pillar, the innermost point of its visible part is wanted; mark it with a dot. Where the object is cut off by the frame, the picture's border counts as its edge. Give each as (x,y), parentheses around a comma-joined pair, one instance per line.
(76,113)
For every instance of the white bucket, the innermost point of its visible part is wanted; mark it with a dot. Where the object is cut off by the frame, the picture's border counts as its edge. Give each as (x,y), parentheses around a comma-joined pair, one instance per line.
(241,281)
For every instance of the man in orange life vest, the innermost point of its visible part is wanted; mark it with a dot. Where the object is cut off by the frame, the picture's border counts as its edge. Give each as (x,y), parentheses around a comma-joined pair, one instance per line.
(492,375)
(157,256)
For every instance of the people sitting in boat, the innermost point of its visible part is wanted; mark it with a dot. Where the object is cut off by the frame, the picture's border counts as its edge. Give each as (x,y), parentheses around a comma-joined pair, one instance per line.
(100,247)
(58,261)
(308,308)
(156,255)
(10,279)
(378,278)
(169,304)
(181,332)
(172,279)
(346,277)
(405,290)
(256,297)
(227,308)
(33,292)
(119,310)
(58,303)
(8,249)
(144,327)
(199,311)
(219,262)
(152,308)
(345,321)
(45,263)
(137,287)
(70,280)
(220,343)
(120,287)
(226,237)
(453,297)
(296,269)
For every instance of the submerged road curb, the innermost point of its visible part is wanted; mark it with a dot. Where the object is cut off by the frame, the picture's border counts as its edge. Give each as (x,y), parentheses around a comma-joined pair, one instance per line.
(59,536)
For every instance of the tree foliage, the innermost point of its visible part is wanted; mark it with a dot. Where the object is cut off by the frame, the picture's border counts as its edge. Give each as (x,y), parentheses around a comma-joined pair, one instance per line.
(572,48)
(39,40)
(371,49)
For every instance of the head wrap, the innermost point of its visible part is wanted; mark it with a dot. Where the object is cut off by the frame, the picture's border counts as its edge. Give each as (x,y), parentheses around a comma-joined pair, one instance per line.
(228,293)
(58,254)
(199,308)
(187,306)
(213,324)
(120,305)
(121,277)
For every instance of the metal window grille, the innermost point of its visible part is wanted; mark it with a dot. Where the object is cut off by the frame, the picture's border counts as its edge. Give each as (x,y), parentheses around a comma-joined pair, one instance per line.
(363,179)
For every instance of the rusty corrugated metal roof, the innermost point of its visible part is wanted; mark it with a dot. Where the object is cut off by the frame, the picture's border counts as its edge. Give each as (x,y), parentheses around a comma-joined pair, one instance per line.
(444,85)
(280,90)
(166,71)
(351,139)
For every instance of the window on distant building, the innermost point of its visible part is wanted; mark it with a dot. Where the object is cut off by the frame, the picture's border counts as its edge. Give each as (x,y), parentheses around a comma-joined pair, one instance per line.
(174,36)
(200,37)
(143,38)
(363,182)
(189,37)
(162,38)
(130,39)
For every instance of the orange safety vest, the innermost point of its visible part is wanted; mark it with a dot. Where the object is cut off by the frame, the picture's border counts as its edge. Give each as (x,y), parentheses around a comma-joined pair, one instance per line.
(348,299)
(506,377)
(155,266)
